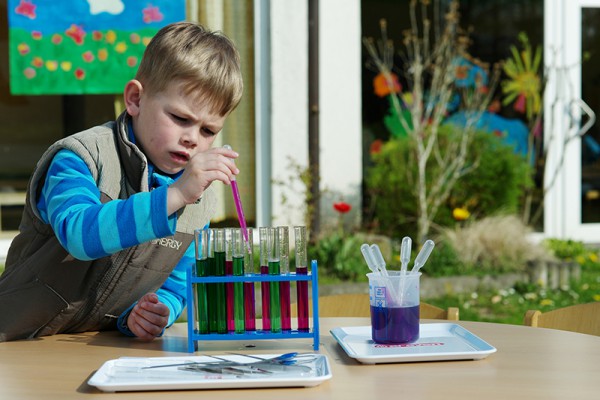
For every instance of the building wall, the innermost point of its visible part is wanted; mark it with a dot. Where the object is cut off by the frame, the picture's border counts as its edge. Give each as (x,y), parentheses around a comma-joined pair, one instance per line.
(339,108)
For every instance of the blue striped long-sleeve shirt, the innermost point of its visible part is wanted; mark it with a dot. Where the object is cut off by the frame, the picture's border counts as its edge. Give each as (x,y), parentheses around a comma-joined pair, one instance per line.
(89,229)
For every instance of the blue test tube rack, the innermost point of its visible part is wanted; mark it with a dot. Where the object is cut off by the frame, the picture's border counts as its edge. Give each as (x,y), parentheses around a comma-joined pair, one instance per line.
(194,336)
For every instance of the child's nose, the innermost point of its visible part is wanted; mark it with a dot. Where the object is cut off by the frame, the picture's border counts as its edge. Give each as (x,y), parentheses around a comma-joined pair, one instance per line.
(190,139)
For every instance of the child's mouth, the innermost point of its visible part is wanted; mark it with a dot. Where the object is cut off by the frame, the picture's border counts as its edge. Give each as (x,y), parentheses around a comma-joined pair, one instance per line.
(180,158)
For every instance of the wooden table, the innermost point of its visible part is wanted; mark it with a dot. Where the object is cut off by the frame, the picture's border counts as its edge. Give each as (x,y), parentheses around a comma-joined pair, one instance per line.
(531,363)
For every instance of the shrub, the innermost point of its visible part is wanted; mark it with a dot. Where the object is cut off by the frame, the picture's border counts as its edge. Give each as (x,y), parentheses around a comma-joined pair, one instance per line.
(493,245)
(572,250)
(339,255)
(496,182)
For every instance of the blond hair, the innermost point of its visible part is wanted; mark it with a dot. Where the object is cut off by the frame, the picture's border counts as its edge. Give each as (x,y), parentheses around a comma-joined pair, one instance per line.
(207,63)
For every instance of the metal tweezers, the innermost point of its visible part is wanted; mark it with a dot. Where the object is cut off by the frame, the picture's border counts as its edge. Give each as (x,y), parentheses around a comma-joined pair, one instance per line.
(284,362)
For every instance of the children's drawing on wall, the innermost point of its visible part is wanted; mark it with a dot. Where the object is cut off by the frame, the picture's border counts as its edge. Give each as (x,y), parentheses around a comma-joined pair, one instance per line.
(81,46)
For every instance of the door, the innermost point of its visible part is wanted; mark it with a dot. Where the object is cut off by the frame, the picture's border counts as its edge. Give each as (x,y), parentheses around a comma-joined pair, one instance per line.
(572,135)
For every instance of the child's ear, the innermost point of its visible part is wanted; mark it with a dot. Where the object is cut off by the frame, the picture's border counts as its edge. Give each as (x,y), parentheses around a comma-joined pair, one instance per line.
(132,95)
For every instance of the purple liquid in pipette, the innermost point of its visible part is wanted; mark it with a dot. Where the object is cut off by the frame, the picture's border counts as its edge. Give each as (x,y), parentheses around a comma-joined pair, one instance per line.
(238,207)
(240,211)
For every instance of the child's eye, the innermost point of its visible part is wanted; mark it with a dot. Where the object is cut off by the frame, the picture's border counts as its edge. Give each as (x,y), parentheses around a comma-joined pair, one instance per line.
(178,118)
(208,132)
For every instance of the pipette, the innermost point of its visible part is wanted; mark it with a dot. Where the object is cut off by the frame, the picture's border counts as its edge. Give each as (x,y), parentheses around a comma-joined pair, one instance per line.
(423,256)
(238,207)
(405,254)
(366,252)
(379,260)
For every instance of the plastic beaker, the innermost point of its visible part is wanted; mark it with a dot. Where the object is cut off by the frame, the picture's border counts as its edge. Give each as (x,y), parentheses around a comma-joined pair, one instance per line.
(394,301)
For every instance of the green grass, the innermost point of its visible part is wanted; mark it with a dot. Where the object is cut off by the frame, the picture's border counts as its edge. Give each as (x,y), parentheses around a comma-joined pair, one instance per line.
(509,305)
(47,64)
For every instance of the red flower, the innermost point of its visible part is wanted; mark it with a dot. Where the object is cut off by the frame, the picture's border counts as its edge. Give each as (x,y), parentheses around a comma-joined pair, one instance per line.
(26,8)
(494,106)
(152,14)
(342,207)
(79,74)
(382,86)
(376,146)
(76,33)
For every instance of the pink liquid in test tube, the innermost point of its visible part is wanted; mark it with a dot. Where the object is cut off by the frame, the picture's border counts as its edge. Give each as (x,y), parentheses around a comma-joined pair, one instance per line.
(249,306)
(249,299)
(301,269)
(302,294)
(284,296)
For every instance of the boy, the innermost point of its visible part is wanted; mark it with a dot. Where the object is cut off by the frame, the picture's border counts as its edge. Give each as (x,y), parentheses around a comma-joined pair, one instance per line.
(106,234)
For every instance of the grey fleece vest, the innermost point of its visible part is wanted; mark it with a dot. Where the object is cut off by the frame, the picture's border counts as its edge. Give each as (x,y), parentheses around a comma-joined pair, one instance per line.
(44,290)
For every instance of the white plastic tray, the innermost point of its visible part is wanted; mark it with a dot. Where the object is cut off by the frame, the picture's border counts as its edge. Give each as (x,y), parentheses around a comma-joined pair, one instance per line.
(437,342)
(128,374)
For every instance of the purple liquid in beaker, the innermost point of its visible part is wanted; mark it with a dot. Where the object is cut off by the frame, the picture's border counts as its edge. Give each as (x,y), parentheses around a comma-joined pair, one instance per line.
(395,325)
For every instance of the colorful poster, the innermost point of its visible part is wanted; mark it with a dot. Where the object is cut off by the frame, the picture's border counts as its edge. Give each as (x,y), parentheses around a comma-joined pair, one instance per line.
(81,46)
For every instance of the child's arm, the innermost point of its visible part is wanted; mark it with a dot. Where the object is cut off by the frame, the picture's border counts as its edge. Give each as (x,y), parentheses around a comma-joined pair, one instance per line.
(89,229)
(145,319)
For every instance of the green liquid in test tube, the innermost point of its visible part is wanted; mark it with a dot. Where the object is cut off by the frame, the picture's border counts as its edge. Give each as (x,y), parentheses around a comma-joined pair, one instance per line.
(220,297)
(239,250)
(211,288)
(274,269)
(202,269)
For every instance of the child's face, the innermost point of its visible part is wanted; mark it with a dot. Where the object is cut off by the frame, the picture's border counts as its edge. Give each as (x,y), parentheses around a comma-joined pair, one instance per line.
(172,127)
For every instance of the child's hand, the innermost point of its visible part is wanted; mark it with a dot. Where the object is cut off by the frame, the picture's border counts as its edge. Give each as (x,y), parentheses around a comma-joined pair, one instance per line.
(204,168)
(148,317)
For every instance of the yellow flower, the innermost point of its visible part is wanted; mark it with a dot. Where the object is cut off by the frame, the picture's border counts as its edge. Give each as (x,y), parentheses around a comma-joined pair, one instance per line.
(596,297)
(51,65)
(66,65)
(110,37)
(460,213)
(546,302)
(593,257)
(102,54)
(523,84)
(121,47)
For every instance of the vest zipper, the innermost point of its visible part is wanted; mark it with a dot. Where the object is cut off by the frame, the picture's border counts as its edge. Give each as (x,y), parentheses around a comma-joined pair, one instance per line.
(108,277)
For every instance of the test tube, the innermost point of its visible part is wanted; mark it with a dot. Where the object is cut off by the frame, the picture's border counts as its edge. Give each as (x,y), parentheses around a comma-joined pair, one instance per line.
(211,288)
(220,297)
(301,269)
(249,305)
(239,250)
(229,291)
(264,286)
(273,251)
(202,269)
(284,286)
